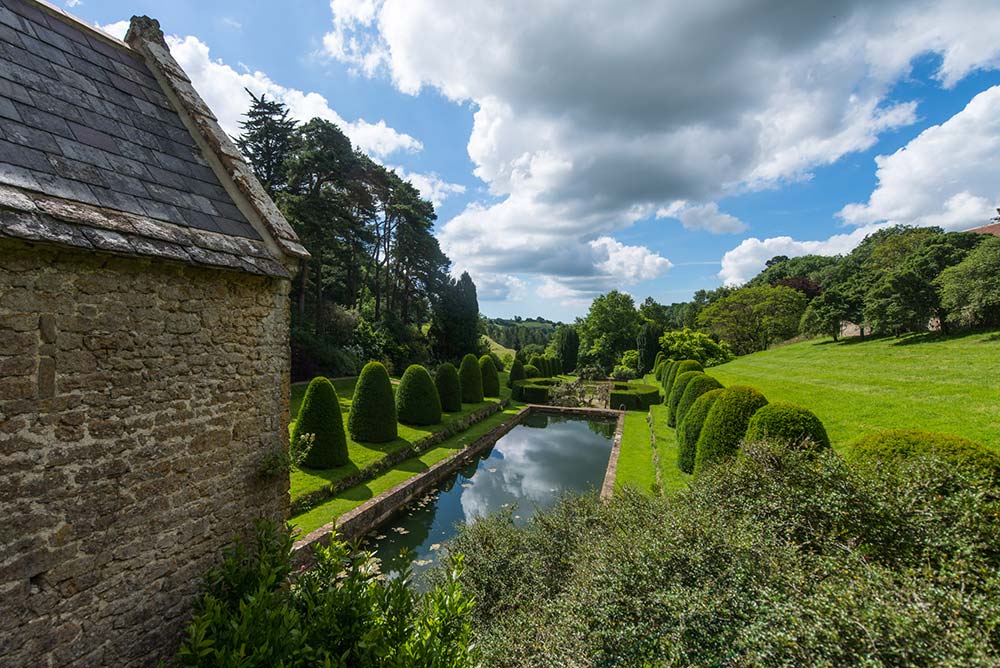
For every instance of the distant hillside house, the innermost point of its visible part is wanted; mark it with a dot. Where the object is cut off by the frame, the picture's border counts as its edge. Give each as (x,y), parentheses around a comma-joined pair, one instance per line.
(144,342)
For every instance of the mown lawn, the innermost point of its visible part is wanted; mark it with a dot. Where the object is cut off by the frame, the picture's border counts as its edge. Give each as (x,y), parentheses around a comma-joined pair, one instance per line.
(355,496)
(366,454)
(671,477)
(930,382)
(635,459)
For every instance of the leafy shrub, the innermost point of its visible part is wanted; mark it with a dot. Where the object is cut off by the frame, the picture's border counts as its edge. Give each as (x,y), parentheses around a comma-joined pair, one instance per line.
(676,392)
(320,416)
(787,424)
(449,387)
(472,380)
(516,372)
(531,392)
(532,371)
(776,558)
(623,373)
(592,372)
(373,409)
(638,397)
(689,430)
(697,387)
(417,400)
(630,360)
(726,424)
(338,613)
(891,447)
(491,379)
(687,344)
(676,370)
(538,362)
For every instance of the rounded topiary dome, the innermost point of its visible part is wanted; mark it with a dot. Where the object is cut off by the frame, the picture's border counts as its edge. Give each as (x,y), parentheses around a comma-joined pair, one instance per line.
(491,379)
(532,371)
(726,424)
(417,400)
(320,416)
(698,386)
(516,373)
(676,370)
(472,380)
(676,392)
(787,424)
(449,387)
(690,429)
(895,445)
(373,408)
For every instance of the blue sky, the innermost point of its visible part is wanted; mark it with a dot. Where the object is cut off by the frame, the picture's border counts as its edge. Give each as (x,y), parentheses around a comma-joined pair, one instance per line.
(658,149)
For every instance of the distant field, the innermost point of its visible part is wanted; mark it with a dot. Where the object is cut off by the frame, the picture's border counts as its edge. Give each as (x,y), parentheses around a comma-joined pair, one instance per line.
(499,348)
(945,384)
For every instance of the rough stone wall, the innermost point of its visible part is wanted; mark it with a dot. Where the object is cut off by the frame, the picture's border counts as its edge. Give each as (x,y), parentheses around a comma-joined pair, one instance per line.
(137,399)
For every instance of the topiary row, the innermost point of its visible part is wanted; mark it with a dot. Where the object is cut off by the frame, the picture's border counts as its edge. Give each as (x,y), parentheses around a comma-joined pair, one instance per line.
(674,371)
(490,377)
(636,396)
(471,380)
(373,408)
(532,371)
(417,399)
(449,387)
(320,416)
(531,391)
(516,373)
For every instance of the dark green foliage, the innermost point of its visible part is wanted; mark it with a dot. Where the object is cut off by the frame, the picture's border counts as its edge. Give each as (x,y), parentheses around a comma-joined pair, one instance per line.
(538,362)
(638,397)
(726,424)
(660,357)
(516,372)
(567,343)
(320,415)
(777,558)
(690,345)
(676,392)
(894,446)
(690,427)
(417,400)
(648,345)
(609,329)
(472,380)
(532,371)
(751,319)
(787,424)
(970,290)
(266,140)
(455,327)
(695,388)
(373,408)
(491,380)
(449,387)
(338,613)
(531,393)
(676,370)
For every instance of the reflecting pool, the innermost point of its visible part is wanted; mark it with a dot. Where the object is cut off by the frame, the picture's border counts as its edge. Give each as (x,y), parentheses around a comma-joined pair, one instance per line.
(529,468)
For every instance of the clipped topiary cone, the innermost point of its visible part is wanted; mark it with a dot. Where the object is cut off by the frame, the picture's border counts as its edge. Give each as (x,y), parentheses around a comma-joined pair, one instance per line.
(491,378)
(516,373)
(373,409)
(320,416)
(449,387)
(472,380)
(417,400)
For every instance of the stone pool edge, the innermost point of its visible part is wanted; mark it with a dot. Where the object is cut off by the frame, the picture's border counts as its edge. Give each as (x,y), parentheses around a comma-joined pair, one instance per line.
(368,516)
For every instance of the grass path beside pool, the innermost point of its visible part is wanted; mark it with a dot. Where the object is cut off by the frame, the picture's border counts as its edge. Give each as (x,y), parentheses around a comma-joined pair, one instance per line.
(635,459)
(671,477)
(355,496)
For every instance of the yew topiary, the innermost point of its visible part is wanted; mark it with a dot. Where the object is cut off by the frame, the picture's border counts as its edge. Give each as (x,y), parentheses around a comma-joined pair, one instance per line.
(726,425)
(449,387)
(787,424)
(491,379)
(676,392)
(320,416)
(373,409)
(697,387)
(417,400)
(676,370)
(894,446)
(690,429)
(472,380)
(532,371)
(516,373)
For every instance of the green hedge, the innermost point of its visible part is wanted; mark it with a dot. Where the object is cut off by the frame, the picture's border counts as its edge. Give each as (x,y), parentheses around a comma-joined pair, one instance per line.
(690,429)
(787,424)
(677,369)
(532,371)
(320,416)
(417,400)
(538,362)
(895,445)
(516,373)
(726,424)
(472,380)
(639,397)
(449,387)
(491,379)
(373,408)
(531,391)
(676,392)
(697,387)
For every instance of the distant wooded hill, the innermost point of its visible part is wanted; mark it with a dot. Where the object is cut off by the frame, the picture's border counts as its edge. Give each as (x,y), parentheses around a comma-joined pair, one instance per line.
(517,332)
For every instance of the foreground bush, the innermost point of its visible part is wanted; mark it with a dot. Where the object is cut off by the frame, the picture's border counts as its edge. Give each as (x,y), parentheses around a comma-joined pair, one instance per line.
(491,379)
(373,408)
(320,416)
(472,380)
(776,558)
(892,447)
(698,386)
(787,424)
(532,371)
(449,387)
(689,429)
(417,400)
(516,373)
(676,392)
(726,424)
(339,613)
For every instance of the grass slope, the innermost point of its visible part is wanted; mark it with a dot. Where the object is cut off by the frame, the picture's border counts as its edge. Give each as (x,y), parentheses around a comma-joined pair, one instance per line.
(499,348)
(635,459)
(929,382)
(671,477)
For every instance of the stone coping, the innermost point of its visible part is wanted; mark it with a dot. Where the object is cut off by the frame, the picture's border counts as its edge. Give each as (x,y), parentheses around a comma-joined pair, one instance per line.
(371,514)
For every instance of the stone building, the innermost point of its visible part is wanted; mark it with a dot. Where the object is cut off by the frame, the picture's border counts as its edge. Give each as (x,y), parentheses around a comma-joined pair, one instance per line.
(144,331)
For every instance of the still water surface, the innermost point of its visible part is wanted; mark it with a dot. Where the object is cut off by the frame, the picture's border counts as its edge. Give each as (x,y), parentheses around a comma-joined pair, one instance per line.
(529,468)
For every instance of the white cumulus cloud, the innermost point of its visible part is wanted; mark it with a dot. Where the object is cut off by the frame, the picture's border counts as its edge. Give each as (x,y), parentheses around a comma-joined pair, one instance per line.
(703,217)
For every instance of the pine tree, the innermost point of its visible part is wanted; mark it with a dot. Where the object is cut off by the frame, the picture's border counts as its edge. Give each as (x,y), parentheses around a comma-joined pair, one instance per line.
(266,140)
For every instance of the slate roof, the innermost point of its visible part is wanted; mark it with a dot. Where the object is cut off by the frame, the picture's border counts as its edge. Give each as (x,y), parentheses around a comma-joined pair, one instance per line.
(84,119)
